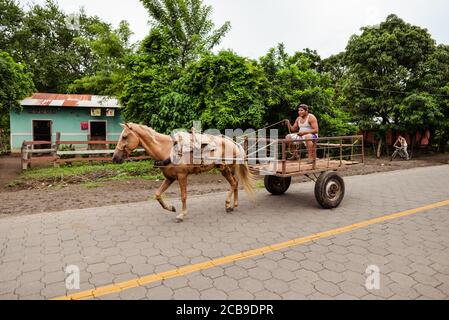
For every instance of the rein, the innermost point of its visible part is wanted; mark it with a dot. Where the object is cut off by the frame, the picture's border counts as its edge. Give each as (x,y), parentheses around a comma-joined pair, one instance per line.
(167,162)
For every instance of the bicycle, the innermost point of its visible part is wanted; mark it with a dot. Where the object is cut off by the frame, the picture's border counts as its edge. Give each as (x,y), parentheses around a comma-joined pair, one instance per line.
(401,152)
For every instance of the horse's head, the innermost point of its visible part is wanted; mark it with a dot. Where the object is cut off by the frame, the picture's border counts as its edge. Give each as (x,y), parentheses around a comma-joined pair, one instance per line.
(128,141)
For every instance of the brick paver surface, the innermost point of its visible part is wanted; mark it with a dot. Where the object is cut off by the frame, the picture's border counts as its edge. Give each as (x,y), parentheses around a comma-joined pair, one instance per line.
(123,242)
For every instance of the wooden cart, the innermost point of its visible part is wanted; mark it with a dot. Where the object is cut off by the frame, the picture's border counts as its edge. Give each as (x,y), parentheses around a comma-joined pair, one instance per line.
(331,155)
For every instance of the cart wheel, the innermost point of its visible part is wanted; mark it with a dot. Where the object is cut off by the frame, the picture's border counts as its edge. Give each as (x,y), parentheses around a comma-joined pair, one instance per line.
(329,189)
(277,185)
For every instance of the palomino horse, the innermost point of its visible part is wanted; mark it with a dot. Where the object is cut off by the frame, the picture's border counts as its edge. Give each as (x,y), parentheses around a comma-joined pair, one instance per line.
(160,147)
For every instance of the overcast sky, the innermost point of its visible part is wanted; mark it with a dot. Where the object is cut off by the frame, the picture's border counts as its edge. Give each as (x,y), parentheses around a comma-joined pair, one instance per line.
(257,25)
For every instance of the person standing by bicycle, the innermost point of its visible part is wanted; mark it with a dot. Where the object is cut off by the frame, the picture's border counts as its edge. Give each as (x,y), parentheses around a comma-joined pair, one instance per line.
(401,146)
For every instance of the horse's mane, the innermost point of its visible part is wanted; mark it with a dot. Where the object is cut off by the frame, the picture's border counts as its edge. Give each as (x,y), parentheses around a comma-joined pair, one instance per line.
(150,131)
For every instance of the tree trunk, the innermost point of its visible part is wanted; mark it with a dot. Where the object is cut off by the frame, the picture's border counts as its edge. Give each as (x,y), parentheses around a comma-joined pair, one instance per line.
(387,149)
(379,148)
(443,145)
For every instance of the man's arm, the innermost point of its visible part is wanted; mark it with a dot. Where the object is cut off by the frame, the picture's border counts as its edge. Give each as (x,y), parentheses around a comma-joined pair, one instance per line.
(293,128)
(396,143)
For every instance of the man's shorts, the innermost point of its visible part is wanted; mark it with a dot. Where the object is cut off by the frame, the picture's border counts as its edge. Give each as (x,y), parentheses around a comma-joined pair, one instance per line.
(294,136)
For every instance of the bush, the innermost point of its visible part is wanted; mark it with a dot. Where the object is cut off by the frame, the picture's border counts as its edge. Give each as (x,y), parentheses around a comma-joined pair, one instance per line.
(65,147)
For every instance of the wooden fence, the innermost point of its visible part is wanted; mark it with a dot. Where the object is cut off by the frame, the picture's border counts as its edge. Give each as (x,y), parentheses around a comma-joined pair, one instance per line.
(38,152)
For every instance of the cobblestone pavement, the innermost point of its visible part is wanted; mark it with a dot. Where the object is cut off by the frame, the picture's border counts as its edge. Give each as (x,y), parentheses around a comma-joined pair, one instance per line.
(123,242)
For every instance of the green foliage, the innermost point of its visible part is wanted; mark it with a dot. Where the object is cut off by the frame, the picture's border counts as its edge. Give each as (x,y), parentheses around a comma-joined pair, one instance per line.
(394,77)
(223,91)
(391,76)
(432,77)
(110,48)
(40,38)
(15,84)
(57,54)
(83,172)
(296,79)
(226,91)
(382,65)
(150,76)
(188,26)
(66,147)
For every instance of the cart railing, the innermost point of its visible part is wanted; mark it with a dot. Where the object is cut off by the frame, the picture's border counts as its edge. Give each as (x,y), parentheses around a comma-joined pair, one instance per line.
(271,156)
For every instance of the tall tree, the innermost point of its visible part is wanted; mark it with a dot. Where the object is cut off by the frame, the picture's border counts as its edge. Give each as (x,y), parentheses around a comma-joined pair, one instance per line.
(188,25)
(150,75)
(45,43)
(59,50)
(11,21)
(382,64)
(295,79)
(110,48)
(428,106)
(227,91)
(222,90)
(15,84)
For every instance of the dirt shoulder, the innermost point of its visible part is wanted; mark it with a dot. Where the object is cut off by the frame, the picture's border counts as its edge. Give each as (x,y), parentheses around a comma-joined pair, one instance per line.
(48,198)
(10,168)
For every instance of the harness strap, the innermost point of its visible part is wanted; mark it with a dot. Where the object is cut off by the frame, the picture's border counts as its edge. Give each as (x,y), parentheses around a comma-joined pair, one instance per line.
(162,163)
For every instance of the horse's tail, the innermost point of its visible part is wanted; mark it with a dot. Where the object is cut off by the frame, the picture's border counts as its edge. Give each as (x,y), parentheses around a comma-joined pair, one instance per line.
(247,180)
(243,173)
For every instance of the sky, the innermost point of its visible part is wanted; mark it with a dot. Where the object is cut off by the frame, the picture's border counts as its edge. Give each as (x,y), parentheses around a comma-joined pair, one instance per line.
(258,25)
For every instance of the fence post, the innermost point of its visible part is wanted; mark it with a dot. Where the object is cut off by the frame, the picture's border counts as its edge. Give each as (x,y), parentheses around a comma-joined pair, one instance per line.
(25,156)
(341,152)
(56,148)
(284,164)
(363,150)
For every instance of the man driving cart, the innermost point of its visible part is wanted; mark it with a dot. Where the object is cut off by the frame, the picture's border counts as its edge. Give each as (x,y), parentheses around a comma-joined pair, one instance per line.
(305,127)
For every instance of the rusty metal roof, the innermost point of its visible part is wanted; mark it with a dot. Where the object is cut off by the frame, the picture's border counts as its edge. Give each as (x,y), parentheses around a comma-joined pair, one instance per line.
(70,100)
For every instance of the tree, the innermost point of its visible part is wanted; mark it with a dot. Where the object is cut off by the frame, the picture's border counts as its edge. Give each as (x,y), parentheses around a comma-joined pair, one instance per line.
(296,79)
(428,107)
(227,91)
(111,48)
(10,22)
(188,26)
(15,84)
(382,67)
(58,53)
(222,90)
(150,76)
(45,43)
(336,67)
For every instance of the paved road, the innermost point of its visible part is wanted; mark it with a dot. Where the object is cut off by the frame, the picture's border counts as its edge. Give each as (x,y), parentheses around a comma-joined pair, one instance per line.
(112,245)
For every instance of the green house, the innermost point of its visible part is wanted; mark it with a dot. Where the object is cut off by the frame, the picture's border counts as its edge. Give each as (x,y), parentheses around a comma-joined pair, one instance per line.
(75,117)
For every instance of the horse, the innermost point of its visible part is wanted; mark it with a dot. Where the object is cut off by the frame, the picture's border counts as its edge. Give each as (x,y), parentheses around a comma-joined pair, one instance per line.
(164,149)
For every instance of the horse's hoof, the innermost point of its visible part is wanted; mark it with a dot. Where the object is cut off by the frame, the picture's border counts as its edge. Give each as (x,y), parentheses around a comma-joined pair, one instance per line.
(229,210)
(180,217)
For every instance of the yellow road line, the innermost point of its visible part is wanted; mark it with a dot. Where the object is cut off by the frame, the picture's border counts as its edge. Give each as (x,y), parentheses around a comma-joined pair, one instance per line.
(118,287)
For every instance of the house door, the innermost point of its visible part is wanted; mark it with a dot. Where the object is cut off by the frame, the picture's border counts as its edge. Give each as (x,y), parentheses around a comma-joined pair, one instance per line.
(42,132)
(98,130)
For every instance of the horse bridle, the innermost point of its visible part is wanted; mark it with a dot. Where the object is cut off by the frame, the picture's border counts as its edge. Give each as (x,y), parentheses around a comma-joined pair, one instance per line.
(127,152)
(125,149)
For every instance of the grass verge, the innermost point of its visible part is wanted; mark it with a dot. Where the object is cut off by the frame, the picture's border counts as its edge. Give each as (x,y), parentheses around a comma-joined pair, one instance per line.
(89,174)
